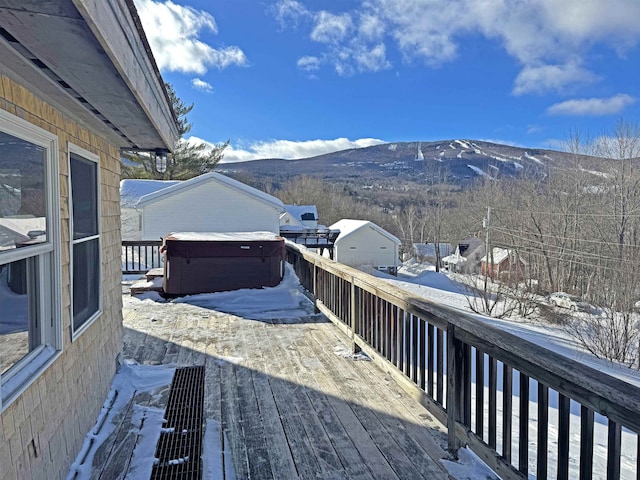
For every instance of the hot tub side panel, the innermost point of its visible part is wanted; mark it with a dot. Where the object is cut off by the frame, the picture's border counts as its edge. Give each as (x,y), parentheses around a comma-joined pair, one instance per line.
(213,266)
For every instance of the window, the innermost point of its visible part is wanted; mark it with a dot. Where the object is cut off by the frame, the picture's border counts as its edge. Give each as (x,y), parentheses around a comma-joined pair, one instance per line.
(30,331)
(85,242)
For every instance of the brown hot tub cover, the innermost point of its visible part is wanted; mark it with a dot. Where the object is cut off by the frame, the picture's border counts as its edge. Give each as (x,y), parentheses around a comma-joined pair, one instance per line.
(198,262)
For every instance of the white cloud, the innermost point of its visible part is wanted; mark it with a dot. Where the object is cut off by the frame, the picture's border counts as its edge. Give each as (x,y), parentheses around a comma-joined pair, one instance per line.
(290,150)
(592,106)
(372,60)
(201,85)
(289,12)
(330,28)
(371,27)
(173,31)
(550,39)
(309,63)
(544,78)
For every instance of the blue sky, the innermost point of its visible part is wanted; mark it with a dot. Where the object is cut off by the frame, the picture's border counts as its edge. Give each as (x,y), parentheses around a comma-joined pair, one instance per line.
(292,79)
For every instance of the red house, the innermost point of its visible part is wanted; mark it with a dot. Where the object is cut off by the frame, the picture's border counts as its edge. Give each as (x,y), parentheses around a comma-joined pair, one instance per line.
(504,264)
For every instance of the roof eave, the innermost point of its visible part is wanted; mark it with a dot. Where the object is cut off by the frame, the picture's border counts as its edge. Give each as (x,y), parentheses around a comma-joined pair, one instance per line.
(91,60)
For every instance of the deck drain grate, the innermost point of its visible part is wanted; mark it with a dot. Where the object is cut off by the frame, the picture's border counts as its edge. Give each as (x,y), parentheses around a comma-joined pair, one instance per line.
(179,447)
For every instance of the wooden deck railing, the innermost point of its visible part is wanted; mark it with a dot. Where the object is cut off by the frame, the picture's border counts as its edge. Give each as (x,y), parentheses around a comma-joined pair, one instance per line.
(573,422)
(140,256)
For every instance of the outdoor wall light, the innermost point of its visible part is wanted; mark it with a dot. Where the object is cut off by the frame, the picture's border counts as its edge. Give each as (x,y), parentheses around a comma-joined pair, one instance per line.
(161,160)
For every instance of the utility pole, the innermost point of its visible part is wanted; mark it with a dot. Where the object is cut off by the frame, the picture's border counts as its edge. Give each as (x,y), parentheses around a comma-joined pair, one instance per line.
(488,253)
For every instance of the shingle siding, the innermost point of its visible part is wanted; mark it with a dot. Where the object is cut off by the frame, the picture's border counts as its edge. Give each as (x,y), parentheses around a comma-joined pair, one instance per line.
(42,431)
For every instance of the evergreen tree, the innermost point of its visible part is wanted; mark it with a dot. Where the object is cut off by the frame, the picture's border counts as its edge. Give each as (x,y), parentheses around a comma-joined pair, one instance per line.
(188,159)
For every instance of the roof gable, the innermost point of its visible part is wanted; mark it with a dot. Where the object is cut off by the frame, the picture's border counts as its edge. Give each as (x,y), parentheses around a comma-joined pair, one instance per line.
(300,211)
(213,178)
(349,226)
(131,190)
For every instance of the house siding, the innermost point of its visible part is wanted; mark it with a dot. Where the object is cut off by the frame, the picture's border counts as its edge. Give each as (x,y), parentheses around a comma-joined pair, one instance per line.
(43,430)
(367,251)
(208,207)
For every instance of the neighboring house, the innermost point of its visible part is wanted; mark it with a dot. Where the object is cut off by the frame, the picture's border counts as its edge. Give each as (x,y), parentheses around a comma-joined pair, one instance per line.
(299,216)
(208,203)
(363,243)
(77,86)
(426,252)
(504,264)
(467,256)
(131,191)
(299,224)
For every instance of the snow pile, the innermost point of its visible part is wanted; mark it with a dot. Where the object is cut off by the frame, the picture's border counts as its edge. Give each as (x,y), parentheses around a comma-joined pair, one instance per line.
(284,301)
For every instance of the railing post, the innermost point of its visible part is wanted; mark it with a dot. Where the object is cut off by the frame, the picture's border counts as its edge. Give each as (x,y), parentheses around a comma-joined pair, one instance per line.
(455,390)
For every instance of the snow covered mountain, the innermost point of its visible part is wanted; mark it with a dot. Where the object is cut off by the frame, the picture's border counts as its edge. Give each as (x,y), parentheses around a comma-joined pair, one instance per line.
(461,161)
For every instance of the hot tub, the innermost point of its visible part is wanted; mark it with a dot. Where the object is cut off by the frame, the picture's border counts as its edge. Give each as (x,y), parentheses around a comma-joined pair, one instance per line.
(213,262)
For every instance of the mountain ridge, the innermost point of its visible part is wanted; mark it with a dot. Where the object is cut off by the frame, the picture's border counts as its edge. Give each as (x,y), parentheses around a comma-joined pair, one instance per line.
(462,161)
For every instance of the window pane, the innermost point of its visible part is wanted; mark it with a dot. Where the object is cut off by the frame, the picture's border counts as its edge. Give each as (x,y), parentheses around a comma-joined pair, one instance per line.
(23,199)
(84,194)
(19,323)
(86,281)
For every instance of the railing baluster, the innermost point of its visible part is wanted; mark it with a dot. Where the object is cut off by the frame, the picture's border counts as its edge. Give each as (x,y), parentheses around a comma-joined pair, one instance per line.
(480,393)
(586,443)
(407,344)
(424,351)
(430,357)
(493,388)
(614,438)
(543,431)
(466,382)
(414,349)
(440,366)
(564,410)
(507,410)
(401,321)
(523,427)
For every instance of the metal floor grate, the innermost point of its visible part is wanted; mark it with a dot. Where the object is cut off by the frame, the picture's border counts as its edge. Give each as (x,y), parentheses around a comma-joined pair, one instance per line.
(179,447)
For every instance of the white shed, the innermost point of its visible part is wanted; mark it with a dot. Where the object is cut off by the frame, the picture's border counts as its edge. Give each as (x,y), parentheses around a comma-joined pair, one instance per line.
(208,203)
(364,243)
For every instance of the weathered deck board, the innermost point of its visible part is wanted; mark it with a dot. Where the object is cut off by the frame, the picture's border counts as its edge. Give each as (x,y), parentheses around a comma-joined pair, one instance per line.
(288,406)
(408,424)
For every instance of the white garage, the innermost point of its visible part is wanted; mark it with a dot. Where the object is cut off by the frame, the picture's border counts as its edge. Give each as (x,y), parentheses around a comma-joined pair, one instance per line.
(363,243)
(207,203)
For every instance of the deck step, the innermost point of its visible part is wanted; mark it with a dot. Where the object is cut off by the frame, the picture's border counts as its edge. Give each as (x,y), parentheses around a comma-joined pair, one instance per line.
(155,273)
(143,286)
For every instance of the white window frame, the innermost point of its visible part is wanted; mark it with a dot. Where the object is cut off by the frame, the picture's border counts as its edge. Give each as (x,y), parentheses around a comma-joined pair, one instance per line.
(21,375)
(92,157)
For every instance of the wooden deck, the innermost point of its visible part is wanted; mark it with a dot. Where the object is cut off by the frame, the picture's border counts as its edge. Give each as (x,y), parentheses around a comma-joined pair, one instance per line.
(289,405)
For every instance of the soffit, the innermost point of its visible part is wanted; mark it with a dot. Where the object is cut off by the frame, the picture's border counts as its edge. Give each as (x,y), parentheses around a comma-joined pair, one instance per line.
(91,59)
